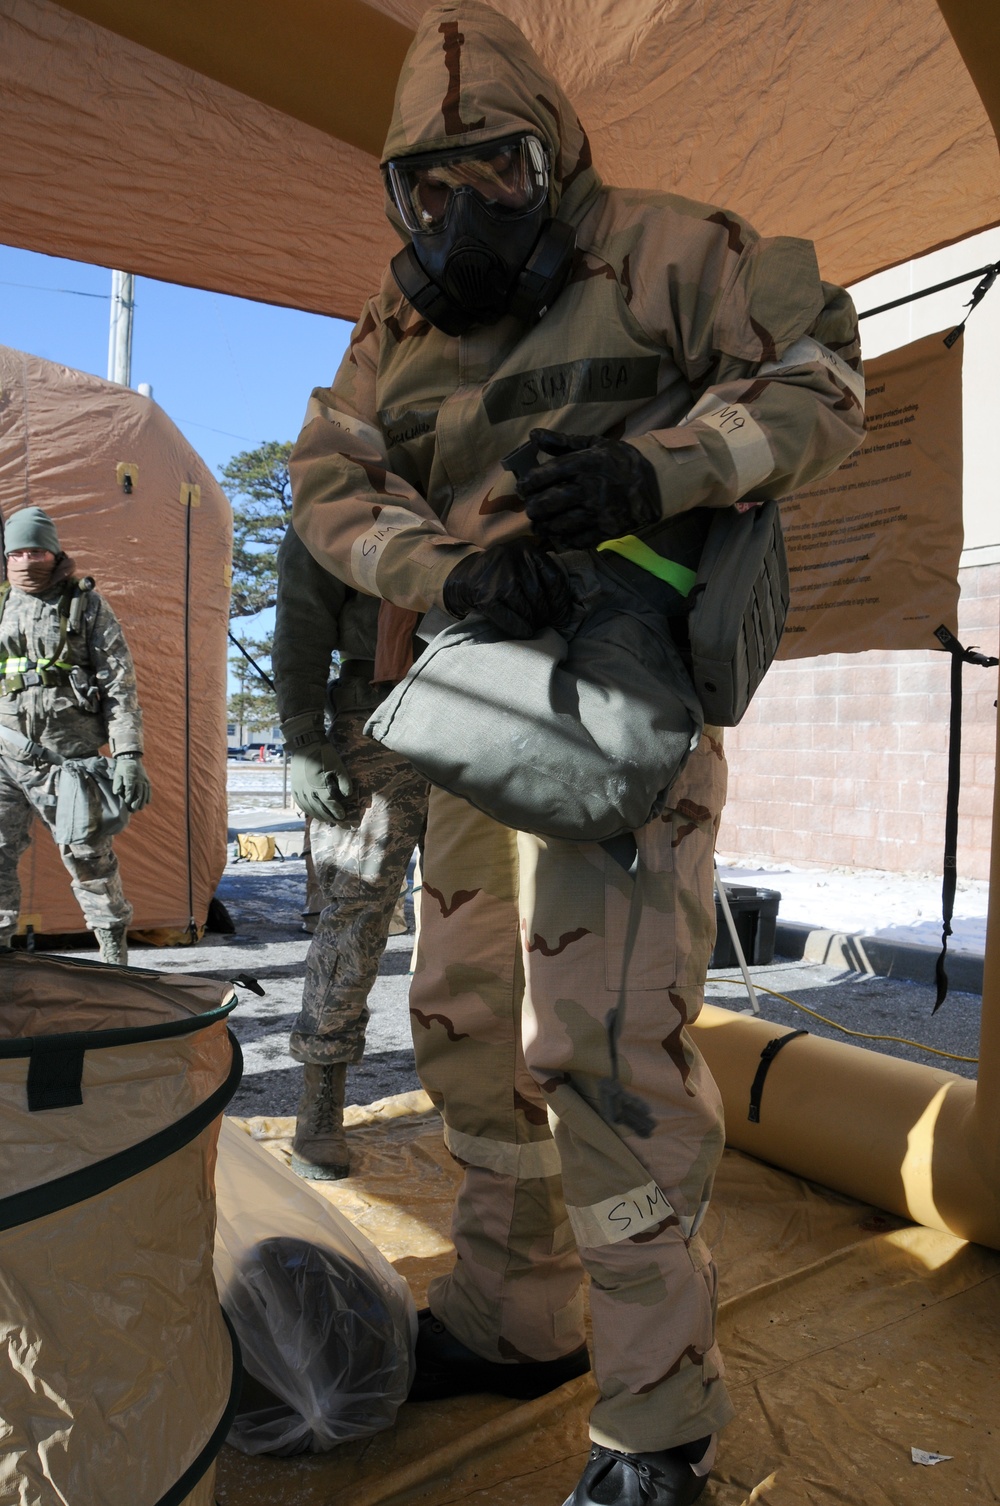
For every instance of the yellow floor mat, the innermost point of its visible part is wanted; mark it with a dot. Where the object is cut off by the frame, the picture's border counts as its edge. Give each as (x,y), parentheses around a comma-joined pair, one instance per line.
(850,1338)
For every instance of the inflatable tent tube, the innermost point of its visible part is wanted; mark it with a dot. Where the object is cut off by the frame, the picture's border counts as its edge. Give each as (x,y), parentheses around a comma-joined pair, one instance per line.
(890,1132)
(119,1375)
(920,1142)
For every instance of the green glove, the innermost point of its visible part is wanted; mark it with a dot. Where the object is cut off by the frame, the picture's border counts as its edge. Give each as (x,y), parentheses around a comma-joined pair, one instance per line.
(317,770)
(130,780)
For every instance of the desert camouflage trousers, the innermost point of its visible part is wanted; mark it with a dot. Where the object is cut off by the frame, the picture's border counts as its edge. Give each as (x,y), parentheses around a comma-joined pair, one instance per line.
(579,1153)
(359,864)
(26,790)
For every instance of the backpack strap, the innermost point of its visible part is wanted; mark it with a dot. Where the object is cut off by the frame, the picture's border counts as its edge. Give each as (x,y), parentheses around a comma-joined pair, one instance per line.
(70,612)
(18,672)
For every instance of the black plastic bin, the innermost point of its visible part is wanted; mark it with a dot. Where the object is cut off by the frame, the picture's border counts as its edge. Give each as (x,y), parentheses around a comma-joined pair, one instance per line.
(755,915)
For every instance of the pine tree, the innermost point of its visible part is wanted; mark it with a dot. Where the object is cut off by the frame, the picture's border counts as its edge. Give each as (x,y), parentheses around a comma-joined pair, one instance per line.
(252,706)
(258,487)
(257,484)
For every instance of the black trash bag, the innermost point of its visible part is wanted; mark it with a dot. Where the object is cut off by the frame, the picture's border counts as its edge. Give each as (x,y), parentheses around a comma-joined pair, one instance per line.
(320,1344)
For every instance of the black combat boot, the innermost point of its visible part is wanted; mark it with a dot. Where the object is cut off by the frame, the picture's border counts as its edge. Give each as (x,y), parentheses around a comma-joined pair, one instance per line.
(319,1149)
(447,1367)
(664,1478)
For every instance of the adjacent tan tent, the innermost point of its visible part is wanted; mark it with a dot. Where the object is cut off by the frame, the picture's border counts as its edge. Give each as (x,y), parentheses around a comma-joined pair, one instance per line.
(161,555)
(233,144)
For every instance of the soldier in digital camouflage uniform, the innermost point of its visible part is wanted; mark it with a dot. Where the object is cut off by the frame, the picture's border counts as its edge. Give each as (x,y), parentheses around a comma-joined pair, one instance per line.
(67,684)
(535,296)
(368,808)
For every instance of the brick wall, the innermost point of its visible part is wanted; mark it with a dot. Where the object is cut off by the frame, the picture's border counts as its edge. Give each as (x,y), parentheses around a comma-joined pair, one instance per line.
(843,759)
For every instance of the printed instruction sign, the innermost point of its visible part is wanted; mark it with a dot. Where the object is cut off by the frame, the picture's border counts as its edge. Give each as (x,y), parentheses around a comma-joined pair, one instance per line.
(873,550)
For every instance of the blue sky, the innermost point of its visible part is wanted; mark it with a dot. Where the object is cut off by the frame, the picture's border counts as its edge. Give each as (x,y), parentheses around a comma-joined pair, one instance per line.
(230,373)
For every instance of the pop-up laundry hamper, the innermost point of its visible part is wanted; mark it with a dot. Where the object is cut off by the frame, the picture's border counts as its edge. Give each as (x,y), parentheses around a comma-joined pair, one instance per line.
(118,1373)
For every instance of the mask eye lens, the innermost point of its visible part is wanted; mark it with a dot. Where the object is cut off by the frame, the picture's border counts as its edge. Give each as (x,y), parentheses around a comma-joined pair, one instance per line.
(430,197)
(509,178)
(502,164)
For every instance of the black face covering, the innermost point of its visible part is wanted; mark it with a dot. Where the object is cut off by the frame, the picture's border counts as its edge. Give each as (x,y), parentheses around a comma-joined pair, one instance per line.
(476,259)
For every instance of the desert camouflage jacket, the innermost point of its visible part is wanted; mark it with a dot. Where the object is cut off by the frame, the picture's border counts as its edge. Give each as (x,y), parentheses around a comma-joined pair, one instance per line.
(719,353)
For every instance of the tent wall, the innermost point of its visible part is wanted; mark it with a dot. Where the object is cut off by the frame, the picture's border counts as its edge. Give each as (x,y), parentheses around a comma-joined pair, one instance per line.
(164,567)
(843,758)
(859,127)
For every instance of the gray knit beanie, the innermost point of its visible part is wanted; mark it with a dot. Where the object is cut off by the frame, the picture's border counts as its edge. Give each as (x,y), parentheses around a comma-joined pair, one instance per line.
(30,528)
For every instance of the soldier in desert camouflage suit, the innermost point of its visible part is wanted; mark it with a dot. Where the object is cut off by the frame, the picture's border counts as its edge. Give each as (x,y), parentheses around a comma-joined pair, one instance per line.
(71,692)
(733,371)
(368,808)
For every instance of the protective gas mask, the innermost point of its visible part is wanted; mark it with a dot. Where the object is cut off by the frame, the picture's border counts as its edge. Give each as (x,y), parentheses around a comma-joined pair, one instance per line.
(483,243)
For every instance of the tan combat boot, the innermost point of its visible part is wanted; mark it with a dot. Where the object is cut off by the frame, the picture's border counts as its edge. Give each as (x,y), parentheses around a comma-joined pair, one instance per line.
(319,1150)
(113,943)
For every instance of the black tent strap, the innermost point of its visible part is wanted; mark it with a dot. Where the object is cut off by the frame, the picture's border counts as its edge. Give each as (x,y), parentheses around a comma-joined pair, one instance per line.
(267,681)
(949,879)
(182,1488)
(43,1198)
(55,1074)
(192,925)
(988,275)
(767,1056)
(978,294)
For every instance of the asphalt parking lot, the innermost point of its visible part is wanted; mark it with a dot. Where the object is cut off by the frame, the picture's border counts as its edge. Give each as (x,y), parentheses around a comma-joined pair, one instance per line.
(264,901)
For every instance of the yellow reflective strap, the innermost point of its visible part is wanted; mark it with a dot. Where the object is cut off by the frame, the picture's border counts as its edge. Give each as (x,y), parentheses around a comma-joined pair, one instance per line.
(631,548)
(19,666)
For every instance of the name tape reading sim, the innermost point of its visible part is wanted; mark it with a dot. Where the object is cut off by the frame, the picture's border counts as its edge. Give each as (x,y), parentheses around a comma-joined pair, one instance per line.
(368,548)
(621,1217)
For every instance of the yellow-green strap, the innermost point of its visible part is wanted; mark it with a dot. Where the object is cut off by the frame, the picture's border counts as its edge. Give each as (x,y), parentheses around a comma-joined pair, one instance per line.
(18,666)
(631,548)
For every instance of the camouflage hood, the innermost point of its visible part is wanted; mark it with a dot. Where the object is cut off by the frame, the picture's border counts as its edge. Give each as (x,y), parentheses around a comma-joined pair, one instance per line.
(469,76)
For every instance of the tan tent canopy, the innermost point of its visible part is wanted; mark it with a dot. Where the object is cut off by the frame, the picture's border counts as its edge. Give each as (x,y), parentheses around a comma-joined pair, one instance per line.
(233,144)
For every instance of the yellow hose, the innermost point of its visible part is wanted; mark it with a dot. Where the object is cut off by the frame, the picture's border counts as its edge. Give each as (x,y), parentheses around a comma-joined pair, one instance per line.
(863,1035)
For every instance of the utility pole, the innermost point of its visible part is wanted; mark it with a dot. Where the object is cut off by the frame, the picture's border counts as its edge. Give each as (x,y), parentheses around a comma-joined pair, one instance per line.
(120,333)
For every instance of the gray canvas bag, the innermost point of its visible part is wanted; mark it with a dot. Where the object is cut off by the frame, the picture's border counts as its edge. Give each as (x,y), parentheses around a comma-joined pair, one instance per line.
(574,734)
(87,807)
(738,609)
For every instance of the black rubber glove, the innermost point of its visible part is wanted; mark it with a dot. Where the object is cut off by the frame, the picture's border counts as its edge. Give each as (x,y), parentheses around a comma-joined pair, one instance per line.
(517,586)
(596,489)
